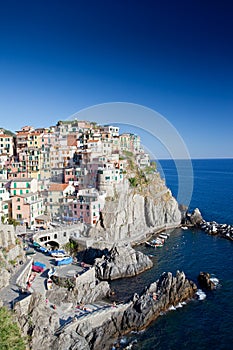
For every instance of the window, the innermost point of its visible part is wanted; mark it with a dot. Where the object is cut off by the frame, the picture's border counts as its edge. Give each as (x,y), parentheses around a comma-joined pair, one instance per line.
(15,185)
(21,191)
(19,216)
(64,234)
(18,207)
(55,235)
(14,192)
(18,199)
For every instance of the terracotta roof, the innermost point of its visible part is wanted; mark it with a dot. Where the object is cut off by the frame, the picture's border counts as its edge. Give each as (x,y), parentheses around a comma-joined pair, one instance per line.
(58,187)
(20,133)
(5,135)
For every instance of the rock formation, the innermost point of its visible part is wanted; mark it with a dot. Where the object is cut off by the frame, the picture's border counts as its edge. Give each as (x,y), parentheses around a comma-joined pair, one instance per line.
(121,261)
(11,253)
(195,218)
(205,281)
(98,329)
(133,212)
(85,288)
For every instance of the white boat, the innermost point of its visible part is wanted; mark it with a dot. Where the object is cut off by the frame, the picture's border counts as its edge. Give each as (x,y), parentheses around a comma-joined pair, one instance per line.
(58,255)
(163,236)
(184,227)
(62,257)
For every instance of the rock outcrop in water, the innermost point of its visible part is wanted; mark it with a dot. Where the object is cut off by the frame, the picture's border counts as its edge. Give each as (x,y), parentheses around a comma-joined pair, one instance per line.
(195,218)
(210,227)
(97,329)
(205,281)
(121,261)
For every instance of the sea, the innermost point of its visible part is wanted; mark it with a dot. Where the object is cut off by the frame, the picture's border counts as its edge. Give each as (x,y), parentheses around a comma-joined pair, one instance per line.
(200,324)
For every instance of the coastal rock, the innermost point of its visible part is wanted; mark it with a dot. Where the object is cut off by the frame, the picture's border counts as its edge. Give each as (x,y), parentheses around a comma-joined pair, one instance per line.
(132,213)
(96,329)
(102,326)
(195,217)
(121,261)
(205,281)
(71,340)
(85,288)
(37,320)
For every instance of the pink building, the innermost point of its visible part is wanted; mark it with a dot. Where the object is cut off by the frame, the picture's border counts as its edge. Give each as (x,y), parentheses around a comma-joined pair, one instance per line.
(86,208)
(26,208)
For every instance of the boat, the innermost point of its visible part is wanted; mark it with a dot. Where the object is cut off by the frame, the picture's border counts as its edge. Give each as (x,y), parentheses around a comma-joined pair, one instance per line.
(36,268)
(49,284)
(43,249)
(56,251)
(163,236)
(37,263)
(156,243)
(31,252)
(36,245)
(51,272)
(59,258)
(65,261)
(58,255)
(184,227)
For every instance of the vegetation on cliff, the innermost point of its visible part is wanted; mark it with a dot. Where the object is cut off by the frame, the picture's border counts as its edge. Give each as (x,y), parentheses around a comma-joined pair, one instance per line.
(10,336)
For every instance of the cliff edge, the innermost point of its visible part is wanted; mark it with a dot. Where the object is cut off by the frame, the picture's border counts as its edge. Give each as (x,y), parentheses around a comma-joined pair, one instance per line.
(140,205)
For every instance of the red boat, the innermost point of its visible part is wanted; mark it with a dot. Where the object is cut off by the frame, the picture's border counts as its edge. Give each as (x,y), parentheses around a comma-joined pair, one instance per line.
(37,268)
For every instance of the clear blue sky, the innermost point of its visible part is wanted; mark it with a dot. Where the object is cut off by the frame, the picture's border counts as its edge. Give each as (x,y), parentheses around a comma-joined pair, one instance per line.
(174,56)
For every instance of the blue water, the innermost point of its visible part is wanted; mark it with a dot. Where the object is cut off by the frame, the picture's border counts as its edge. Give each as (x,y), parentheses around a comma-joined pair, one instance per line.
(199,325)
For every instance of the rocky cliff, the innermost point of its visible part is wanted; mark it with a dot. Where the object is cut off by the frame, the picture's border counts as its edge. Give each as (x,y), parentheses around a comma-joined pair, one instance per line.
(134,211)
(11,253)
(121,261)
(99,328)
(85,288)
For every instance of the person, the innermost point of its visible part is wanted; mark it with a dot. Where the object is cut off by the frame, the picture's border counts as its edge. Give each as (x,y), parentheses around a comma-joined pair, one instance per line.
(46,301)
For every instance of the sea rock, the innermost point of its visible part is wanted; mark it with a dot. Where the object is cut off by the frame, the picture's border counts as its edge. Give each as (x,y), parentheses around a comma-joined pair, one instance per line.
(195,218)
(121,261)
(102,326)
(205,281)
(96,330)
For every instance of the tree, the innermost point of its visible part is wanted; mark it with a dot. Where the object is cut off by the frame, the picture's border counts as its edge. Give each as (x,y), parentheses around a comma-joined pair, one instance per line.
(10,336)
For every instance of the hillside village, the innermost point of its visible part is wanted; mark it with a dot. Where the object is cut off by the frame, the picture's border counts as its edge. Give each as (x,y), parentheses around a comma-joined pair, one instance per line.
(63,173)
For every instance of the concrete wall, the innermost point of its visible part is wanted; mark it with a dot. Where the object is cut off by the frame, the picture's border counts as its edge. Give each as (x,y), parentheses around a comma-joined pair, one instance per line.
(60,234)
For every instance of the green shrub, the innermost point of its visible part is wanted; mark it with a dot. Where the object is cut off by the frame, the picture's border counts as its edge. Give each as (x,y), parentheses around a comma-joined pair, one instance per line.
(133,181)
(10,336)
